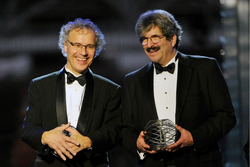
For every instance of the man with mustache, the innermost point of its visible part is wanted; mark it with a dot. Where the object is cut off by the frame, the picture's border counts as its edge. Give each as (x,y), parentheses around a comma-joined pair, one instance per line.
(73,116)
(191,93)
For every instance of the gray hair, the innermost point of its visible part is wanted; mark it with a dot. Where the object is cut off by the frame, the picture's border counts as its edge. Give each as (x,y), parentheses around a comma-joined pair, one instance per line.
(164,20)
(81,23)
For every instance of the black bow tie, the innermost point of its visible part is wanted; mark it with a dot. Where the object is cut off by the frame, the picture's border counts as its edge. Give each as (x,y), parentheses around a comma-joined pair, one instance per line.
(170,68)
(71,78)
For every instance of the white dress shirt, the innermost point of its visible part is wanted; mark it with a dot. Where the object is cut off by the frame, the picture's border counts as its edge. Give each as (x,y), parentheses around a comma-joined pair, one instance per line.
(165,85)
(74,98)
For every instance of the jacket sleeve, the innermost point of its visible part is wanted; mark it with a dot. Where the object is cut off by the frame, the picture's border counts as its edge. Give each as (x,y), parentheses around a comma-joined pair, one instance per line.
(32,125)
(105,130)
(221,112)
(129,131)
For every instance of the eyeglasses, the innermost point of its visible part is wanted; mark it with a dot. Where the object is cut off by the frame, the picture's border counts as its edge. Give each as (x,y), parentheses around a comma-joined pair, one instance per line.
(154,39)
(78,46)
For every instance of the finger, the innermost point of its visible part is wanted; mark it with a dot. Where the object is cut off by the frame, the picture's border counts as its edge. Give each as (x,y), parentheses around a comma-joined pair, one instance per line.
(68,154)
(168,149)
(60,154)
(151,151)
(141,144)
(69,149)
(71,140)
(174,146)
(71,130)
(77,149)
(177,148)
(63,147)
(173,149)
(142,134)
(144,146)
(143,149)
(147,147)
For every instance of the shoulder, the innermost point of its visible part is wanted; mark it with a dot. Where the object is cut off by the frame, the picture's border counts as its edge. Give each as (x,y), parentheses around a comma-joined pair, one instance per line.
(197,61)
(105,87)
(139,72)
(47,77)
(45,83)
(102,81)
(195,58)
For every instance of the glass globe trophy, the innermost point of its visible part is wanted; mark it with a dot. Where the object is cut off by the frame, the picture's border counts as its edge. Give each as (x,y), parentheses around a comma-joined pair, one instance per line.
(160,133)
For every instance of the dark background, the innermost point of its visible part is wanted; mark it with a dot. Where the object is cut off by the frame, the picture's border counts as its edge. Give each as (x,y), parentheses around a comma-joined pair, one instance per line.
(28,48)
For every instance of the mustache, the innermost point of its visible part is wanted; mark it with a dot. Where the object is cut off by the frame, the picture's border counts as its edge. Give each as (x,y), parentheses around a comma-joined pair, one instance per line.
(153,49)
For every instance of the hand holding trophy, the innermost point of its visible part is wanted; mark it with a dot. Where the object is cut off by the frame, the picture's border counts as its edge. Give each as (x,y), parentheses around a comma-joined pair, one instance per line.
(160,134)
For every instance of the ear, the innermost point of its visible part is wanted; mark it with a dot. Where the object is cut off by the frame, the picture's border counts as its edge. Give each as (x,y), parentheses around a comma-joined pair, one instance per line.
(173,40)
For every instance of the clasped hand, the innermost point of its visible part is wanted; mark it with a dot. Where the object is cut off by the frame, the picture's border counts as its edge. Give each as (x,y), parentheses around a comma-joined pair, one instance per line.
(63,145)
(185,140)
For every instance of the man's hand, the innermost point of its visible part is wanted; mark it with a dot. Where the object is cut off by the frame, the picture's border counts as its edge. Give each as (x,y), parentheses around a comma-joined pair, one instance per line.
(84,141)
(58,141)
(142,146)
(185,140)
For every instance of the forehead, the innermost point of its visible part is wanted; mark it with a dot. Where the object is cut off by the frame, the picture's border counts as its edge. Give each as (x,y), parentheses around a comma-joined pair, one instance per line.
(82,35)
(153,31)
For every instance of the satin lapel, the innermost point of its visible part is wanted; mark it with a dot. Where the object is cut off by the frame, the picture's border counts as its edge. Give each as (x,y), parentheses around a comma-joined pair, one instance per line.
(86,104)
(146,83)
(183,82)
(60,99)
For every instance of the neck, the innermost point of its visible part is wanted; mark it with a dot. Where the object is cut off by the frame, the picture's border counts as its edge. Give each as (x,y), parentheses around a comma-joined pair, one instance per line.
(76,73)
(169,58)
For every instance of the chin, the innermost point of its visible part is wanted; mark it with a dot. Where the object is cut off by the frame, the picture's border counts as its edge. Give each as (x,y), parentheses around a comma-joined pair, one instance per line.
(154,60)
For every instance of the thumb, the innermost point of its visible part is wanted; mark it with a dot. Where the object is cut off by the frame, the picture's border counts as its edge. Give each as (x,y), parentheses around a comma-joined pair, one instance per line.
(65,126)
(179,128)
(142,134)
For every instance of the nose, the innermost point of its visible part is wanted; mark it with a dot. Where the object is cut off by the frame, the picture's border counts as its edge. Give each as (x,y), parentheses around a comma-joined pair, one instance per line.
(83,51)
(150,43)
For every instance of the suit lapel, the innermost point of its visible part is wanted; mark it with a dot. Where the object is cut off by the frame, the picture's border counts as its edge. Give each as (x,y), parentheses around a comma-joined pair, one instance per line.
(60,99)
(146,83)
(86,104)
(183,82)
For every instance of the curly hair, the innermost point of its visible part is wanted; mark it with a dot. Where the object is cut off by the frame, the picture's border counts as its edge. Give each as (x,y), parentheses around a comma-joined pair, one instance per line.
(81,23)
(164,20)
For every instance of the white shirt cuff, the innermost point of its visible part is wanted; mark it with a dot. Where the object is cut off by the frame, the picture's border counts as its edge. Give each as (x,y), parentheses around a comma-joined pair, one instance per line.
(142,155)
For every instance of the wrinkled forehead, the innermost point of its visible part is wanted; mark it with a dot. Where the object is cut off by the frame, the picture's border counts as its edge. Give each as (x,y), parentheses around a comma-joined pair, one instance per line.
(153,30)
(83,31)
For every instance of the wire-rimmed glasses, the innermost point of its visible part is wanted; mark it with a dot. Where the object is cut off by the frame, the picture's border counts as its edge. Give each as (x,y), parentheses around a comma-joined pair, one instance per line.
(78,46)
(154,39)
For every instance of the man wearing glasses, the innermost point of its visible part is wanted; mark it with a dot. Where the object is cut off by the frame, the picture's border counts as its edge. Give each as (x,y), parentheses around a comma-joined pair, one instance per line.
(190,91)
(73,115)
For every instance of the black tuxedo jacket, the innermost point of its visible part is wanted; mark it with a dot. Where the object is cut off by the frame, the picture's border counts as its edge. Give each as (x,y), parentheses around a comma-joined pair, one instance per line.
(100,117)
(203,107)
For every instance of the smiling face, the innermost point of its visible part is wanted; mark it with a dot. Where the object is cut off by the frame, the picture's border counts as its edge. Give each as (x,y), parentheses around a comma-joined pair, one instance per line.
(79,60)
(161,52)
